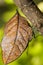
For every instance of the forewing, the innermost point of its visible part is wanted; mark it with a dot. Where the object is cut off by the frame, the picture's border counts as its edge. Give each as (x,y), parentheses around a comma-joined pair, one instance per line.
(17,34)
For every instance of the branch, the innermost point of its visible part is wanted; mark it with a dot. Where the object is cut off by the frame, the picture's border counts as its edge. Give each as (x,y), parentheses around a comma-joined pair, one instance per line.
(31,11)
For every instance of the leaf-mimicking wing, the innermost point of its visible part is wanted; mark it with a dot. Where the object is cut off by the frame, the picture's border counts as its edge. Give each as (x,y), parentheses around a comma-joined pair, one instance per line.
(16,35)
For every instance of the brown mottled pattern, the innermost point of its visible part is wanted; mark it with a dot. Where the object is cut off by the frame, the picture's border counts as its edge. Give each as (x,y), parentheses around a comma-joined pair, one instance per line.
(17,34)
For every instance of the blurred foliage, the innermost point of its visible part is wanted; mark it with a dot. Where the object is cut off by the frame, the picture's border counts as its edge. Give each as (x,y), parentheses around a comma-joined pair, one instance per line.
(33,55)
(39,4)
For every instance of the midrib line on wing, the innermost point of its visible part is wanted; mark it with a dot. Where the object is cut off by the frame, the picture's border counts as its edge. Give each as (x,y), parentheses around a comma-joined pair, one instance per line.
(15,39)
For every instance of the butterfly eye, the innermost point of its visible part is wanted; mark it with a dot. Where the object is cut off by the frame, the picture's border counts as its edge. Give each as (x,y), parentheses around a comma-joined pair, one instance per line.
(17,34)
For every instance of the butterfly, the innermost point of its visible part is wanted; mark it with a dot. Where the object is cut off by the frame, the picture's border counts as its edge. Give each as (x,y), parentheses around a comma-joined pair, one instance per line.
(17,33)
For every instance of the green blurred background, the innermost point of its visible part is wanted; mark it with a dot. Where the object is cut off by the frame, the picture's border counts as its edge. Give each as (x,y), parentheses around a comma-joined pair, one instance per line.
(33,55)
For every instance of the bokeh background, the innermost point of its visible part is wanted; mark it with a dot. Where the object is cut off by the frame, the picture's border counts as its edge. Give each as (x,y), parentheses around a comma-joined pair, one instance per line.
(33,55)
